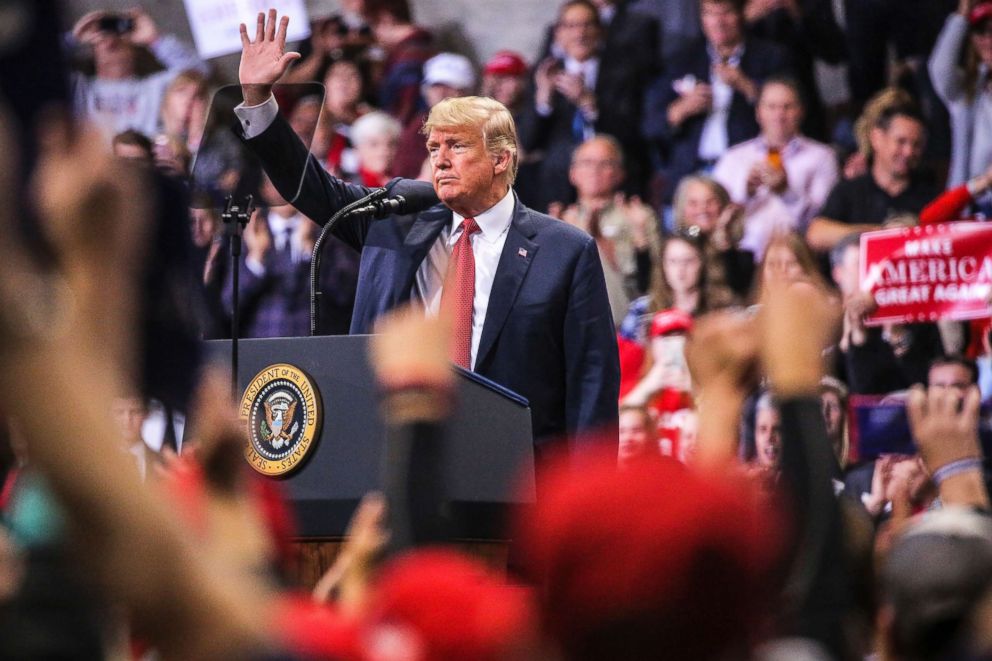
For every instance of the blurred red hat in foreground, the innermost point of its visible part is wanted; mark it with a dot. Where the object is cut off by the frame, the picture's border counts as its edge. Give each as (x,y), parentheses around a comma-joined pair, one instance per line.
(651,562)
(437,605)
(427,605)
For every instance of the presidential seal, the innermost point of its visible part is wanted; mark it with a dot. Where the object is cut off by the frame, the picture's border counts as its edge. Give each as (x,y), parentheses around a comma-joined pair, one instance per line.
(282,409)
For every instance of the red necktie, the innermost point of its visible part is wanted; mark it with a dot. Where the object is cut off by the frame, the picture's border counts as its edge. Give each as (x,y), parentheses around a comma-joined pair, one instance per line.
(458,295)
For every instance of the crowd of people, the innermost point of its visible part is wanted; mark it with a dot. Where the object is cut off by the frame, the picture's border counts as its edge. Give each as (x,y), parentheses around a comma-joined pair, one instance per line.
(725,506)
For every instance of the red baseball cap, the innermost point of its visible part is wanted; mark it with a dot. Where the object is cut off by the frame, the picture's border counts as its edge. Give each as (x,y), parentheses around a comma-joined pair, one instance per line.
(666,558)
(979,13)
(437,605)
(671,320)
(506,63)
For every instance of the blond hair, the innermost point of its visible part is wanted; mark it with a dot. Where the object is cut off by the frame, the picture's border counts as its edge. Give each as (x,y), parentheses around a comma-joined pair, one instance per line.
(488,116)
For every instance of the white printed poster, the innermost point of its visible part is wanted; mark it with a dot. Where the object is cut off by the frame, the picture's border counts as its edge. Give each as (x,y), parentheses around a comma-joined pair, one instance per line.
(215,23)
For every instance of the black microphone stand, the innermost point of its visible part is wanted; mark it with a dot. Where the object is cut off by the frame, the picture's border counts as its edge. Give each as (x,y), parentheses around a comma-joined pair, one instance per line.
(236,216)
(315,293)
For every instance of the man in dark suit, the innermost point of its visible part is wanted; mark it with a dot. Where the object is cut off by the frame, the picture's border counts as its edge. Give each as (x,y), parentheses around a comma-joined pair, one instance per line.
(527,292)
(592,83)
(704,103)
(274,296)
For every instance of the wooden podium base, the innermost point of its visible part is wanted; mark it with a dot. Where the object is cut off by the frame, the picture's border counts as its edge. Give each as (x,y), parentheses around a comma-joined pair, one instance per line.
(315,556)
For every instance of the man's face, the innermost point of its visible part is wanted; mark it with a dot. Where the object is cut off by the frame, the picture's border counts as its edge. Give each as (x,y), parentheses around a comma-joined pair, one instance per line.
(304,118)
(129,414)
(845,272)
(898,149)
(577,32)
(203,226)
(721,23)
(343,84)
(635,434)
(113,56)
(596,169)
(779,114)
(949,375)
(505,88)
(465,174)
(833,413)
(767,437)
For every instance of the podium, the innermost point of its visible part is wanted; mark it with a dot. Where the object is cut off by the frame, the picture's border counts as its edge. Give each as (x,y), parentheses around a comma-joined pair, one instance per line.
(489,457)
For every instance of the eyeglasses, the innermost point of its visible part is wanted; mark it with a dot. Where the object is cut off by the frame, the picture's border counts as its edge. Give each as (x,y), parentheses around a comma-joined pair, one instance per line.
(984,30)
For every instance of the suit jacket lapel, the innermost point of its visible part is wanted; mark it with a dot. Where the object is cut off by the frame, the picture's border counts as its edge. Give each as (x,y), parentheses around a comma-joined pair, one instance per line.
(417,243)
(518,253)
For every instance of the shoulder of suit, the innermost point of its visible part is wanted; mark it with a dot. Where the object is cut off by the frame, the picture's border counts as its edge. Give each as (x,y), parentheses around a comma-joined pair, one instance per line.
(764,49)
(687,58)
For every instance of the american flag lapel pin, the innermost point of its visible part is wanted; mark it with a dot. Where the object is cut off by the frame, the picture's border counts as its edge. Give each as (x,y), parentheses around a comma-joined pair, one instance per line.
(522,252)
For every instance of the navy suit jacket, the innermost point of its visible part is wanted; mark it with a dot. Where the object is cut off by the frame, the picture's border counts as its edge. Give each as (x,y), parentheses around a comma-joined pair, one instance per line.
(548,333)
(680,145)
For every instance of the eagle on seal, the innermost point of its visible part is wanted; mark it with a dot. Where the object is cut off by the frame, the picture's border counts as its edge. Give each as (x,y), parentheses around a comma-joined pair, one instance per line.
(278,422)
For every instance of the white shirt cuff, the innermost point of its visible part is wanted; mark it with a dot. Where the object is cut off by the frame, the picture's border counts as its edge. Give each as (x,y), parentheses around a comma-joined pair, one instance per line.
(255,119)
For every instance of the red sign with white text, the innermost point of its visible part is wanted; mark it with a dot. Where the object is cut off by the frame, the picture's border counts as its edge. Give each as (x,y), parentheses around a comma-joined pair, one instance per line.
(928,273)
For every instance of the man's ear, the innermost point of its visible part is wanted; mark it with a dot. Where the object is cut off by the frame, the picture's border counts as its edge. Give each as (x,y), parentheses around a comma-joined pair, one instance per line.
(501,161)
(875,136)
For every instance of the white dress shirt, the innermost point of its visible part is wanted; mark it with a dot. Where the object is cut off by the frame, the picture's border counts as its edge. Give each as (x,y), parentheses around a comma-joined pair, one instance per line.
(714,139)
(487,245)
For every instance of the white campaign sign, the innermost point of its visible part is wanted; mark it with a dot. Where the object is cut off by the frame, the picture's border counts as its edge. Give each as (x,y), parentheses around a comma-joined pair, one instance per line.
(215,23)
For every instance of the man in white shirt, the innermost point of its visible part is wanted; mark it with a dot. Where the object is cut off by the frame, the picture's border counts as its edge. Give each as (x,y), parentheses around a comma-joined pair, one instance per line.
(704,102)
(781,178)
(581,90)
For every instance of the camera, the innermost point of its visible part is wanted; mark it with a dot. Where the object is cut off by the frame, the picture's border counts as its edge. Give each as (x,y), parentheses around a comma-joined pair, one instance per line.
(116,24)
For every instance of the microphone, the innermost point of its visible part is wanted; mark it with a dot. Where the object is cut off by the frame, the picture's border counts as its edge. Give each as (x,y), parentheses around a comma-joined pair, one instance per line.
(402,196)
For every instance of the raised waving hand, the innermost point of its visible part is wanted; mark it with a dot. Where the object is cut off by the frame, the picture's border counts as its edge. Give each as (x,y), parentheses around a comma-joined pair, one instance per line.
(264,60)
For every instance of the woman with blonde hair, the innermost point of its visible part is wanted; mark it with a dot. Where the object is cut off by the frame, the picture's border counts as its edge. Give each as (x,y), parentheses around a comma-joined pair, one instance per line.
(184,106)
(703,209)
(787,259)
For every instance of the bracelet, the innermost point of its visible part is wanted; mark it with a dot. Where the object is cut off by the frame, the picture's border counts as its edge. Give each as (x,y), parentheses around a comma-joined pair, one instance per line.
(955,468)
